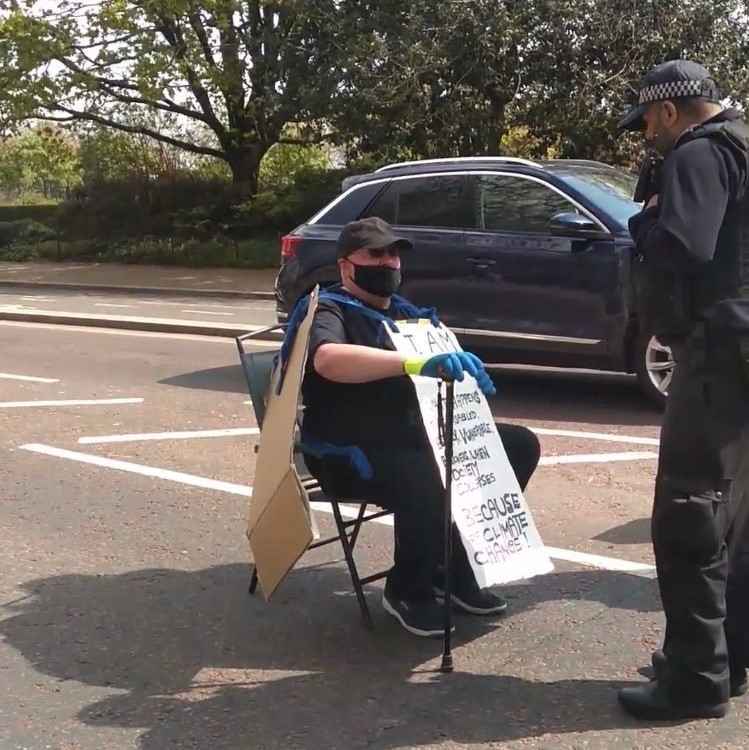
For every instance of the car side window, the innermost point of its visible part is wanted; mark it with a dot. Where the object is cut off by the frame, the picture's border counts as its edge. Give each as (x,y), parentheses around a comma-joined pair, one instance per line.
(440,201)
(516,204)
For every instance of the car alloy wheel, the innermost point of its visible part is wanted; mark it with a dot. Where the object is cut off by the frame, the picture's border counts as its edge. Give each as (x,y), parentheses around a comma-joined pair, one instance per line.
(659,363)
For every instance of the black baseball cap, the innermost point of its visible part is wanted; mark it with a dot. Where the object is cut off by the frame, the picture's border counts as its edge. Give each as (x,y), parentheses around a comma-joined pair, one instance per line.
(670,80)
(372,233)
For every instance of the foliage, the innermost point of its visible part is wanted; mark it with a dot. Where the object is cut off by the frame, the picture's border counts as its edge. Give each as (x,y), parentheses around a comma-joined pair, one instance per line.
(451,78)
(24,230)
(43,161)
(260,251)
(285,162)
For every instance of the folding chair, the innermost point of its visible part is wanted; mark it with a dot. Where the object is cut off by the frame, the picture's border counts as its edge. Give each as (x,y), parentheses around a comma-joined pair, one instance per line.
(258,369)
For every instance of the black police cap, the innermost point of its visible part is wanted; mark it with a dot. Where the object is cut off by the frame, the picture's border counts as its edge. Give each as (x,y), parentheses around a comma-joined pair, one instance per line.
(674,79)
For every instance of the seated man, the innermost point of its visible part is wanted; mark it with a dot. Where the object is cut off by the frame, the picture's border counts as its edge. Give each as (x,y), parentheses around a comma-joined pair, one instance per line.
(360,404)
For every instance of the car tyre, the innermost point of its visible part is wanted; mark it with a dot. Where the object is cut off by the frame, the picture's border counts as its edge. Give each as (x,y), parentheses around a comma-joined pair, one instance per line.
(654,366)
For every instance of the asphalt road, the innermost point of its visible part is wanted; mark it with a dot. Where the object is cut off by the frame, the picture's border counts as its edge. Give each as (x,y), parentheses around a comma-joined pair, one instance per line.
(125,620)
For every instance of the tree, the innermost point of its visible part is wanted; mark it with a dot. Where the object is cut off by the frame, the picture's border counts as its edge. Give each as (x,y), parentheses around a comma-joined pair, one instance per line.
(43,161)
(579,105)
(451,78)
(242,70)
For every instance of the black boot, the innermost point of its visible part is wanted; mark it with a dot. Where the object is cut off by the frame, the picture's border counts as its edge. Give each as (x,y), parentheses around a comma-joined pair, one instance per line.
(652,702)
(738,686)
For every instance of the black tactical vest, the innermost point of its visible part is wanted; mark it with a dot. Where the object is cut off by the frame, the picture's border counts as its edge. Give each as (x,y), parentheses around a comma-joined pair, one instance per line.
(670,304)
(721,294)
(726,277)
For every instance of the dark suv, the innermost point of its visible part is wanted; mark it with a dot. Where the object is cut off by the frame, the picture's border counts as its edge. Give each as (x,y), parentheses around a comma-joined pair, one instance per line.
(528,262)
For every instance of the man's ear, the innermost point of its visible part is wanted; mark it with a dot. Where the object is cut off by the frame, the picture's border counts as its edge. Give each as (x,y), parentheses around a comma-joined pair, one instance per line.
(669,113)
(344,268)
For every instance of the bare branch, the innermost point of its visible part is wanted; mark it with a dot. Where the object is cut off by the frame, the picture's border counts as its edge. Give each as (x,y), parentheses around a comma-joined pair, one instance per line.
(137,130)
(173,35)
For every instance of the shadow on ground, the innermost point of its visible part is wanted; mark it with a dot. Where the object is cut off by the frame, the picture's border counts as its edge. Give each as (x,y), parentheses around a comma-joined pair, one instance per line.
(202,665)
(227,379)
(632,532)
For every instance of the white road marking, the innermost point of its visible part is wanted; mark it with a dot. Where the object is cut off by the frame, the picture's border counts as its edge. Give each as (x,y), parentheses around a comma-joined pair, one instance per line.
(611,437)
(109,304)
(80,402)
(568,555)
(581,558)
(29,378)
(147,471)
(184,435)
(207,312)
(598,561)
(597,458)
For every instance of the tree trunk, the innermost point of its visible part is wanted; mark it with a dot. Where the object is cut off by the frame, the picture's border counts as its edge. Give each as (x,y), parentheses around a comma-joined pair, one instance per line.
(495,128)
(245,169)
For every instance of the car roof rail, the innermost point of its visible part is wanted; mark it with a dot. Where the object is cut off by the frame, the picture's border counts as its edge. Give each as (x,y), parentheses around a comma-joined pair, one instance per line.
(460,159)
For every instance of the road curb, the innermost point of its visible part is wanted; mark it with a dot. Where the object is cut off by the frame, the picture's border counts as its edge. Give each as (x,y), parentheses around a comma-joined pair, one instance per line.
(151,290)
(138,324)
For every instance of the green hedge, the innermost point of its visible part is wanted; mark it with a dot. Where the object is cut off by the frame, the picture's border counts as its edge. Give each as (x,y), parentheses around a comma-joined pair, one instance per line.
(185,220)
(24,230)
(45,214)
(261,251)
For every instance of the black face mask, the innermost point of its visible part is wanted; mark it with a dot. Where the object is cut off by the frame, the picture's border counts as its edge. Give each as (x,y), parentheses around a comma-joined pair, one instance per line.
(378,280)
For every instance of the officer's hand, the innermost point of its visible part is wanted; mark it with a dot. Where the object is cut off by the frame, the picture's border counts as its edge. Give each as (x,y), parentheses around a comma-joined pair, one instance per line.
(653,202)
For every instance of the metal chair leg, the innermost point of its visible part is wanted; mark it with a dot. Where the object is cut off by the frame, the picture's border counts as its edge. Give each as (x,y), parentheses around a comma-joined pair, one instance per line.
(253,581)
(346,544)
(357,528)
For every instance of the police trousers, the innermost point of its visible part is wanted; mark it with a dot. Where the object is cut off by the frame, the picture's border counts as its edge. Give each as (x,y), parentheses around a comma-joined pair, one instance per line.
(406,481)
(700,522)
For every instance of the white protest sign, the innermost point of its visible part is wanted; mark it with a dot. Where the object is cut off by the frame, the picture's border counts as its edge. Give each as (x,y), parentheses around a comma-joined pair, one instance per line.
(489,509)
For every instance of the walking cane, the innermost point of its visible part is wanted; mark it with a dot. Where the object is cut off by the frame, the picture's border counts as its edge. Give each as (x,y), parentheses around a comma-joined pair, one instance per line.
(447,657)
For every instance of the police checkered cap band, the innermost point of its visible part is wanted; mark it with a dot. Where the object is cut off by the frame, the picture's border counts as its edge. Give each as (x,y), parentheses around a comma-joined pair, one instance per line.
(659,92)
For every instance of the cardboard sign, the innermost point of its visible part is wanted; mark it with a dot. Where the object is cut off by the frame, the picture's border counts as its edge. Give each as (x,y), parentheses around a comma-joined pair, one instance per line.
(494,521)
(280,525)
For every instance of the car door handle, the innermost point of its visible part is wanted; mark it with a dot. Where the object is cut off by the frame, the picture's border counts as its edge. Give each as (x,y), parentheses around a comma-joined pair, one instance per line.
(483,262)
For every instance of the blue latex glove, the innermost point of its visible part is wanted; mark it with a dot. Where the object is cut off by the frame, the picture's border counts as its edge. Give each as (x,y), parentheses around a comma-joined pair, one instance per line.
(452,366)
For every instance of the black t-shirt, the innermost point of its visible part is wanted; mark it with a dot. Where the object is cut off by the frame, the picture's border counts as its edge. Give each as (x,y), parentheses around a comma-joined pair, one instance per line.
(375,413)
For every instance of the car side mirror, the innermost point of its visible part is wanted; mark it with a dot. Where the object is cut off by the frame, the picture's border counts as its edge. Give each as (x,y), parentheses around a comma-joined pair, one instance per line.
(576,226)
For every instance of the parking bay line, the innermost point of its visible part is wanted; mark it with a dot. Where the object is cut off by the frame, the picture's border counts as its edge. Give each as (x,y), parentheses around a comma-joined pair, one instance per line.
(240,431)
(80,402)
(581,558)
(607,436)
(597,458)
(28,378)
(182,435)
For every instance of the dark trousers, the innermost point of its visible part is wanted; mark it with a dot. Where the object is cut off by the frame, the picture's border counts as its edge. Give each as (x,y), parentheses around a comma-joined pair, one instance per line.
(700,523)
(406,481)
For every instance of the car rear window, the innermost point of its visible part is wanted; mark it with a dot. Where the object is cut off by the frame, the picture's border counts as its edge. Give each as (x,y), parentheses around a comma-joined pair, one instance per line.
(429,201)
(352,205)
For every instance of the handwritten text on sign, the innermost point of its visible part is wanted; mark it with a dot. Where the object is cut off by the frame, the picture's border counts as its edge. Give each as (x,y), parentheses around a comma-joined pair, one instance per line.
(489,509)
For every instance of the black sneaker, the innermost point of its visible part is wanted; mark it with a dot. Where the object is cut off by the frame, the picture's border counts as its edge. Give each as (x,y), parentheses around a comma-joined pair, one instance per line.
(424,617)
(470,598)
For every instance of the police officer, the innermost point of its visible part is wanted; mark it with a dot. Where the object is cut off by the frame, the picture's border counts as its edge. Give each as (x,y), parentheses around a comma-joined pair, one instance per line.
(692,245)
(362,434)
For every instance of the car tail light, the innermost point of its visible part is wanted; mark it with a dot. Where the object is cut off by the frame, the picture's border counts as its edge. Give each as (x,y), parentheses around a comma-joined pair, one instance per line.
(289,244)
